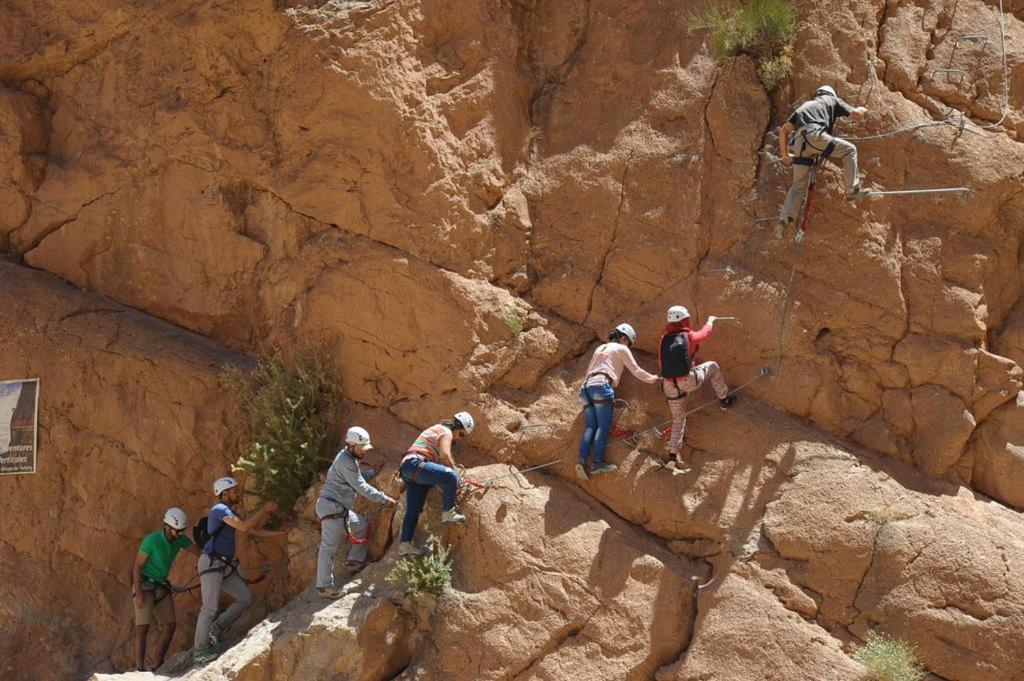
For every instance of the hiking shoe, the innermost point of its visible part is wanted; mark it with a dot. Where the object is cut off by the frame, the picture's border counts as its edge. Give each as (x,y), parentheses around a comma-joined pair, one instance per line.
(329,593)
(204,656)
(603,468)
(407,548)
(677,467)
(857,192)
(727,401)
(352,568)
(581,472)
(452,515)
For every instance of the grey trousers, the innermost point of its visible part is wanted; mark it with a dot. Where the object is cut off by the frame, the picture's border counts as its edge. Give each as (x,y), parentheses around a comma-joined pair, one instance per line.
(332,534)
(816,142)
(212,583)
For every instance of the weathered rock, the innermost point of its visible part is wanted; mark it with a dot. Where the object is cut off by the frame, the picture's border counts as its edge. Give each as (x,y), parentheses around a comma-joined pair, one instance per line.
(133,420)
(997,454)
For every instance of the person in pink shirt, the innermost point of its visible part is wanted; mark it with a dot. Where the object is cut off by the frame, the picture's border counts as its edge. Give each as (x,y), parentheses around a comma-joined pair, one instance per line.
(681,376)
(598,396)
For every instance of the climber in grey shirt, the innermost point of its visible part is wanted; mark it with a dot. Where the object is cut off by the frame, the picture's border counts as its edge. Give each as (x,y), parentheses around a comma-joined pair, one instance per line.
(812,124)
(334,507)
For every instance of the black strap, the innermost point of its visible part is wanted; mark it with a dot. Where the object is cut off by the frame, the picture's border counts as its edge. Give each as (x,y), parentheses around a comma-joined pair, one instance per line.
(420,462)
(800,160)
(161,590)
(590,400)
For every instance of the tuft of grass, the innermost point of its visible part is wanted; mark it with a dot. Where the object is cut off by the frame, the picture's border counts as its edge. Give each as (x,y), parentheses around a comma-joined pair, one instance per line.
(291,413)
(515,320)
(762,29)
(881,517)
(430,573)
(889,659)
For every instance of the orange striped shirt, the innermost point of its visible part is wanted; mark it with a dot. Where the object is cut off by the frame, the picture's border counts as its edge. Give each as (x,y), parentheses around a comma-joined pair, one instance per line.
(428,444)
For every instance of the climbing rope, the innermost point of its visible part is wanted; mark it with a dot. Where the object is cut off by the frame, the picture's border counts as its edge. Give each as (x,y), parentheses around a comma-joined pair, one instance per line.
(956,117)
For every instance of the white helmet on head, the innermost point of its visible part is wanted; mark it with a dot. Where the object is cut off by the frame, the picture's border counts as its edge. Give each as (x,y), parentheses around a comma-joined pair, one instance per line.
(176,518)
(465,420)
(358,436)
(825,90)
(627,331)
(223,485)
(677,313)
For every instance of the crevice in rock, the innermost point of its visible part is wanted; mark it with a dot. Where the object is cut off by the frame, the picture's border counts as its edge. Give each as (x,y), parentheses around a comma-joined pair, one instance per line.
(614,237)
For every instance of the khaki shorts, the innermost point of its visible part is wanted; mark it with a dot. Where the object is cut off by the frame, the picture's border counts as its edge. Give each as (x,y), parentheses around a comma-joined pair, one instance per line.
(161,612)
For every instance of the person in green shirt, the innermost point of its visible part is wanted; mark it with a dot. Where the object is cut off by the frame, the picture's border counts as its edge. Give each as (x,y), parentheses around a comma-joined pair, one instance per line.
(151,592)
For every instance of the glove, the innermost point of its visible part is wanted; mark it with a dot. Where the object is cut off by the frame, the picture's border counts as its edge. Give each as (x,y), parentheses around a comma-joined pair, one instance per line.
(799,236)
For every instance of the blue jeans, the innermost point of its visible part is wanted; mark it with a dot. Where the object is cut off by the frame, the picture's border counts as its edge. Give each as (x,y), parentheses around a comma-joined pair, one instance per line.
(597,421)
(430,474)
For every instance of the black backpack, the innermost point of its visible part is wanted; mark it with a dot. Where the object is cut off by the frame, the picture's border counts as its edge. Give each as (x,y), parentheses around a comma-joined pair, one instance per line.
(675,355)
(201,534)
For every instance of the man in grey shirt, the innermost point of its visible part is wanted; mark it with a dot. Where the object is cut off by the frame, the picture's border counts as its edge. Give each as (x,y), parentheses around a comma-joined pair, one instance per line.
(344,481)
(813,122)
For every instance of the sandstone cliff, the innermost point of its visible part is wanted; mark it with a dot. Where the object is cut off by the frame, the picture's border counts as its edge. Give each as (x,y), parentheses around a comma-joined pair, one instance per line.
(406,182)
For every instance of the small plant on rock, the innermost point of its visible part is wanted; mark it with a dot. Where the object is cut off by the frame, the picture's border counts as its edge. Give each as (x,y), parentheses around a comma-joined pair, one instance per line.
(762,29)
(291,412)
(888,659)
(430,573)
(515,320)
(882,517)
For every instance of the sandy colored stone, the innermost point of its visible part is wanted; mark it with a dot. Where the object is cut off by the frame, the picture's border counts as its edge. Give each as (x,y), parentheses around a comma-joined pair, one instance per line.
(133,420)
(997,449)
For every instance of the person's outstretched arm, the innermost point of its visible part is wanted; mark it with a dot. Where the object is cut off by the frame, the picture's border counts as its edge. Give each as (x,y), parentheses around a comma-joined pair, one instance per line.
(784,132)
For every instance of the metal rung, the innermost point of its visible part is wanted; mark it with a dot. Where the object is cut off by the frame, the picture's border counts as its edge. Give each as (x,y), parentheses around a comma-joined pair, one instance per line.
(944,190)
(973,38)
(948,71)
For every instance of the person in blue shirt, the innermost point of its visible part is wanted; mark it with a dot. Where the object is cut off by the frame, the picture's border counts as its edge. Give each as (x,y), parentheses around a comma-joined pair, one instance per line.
(218,568)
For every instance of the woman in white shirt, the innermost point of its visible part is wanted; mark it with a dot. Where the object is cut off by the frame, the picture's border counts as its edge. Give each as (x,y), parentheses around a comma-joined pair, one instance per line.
(598,396)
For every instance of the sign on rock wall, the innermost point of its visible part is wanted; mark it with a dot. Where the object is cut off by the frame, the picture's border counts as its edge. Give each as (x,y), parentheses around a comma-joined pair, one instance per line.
(19,412)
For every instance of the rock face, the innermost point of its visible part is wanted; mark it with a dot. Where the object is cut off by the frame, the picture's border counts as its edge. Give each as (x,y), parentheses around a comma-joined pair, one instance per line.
(249,172)
(454,201)
(132,421)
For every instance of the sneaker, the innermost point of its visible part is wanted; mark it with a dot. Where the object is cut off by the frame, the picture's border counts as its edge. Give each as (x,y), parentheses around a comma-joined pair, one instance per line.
(213,638)
(727,401)
(407,548)
(329,593)
(603,468)
(203,657)
(780,227)
(452,515)
(581,472)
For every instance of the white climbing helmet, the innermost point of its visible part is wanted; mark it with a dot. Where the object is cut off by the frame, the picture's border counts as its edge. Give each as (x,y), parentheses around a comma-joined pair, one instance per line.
(358,436)
(627,331)
(176,518)
(825,90)
(677,313)
(223,485)
(465,420)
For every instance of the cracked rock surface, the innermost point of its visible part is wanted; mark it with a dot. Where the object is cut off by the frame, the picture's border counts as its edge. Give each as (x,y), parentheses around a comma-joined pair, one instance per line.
(456,201)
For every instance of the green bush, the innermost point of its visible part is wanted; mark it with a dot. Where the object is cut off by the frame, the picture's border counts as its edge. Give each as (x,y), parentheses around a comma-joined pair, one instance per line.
(430,573)
(762,29)
(291,413)
(888,659)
